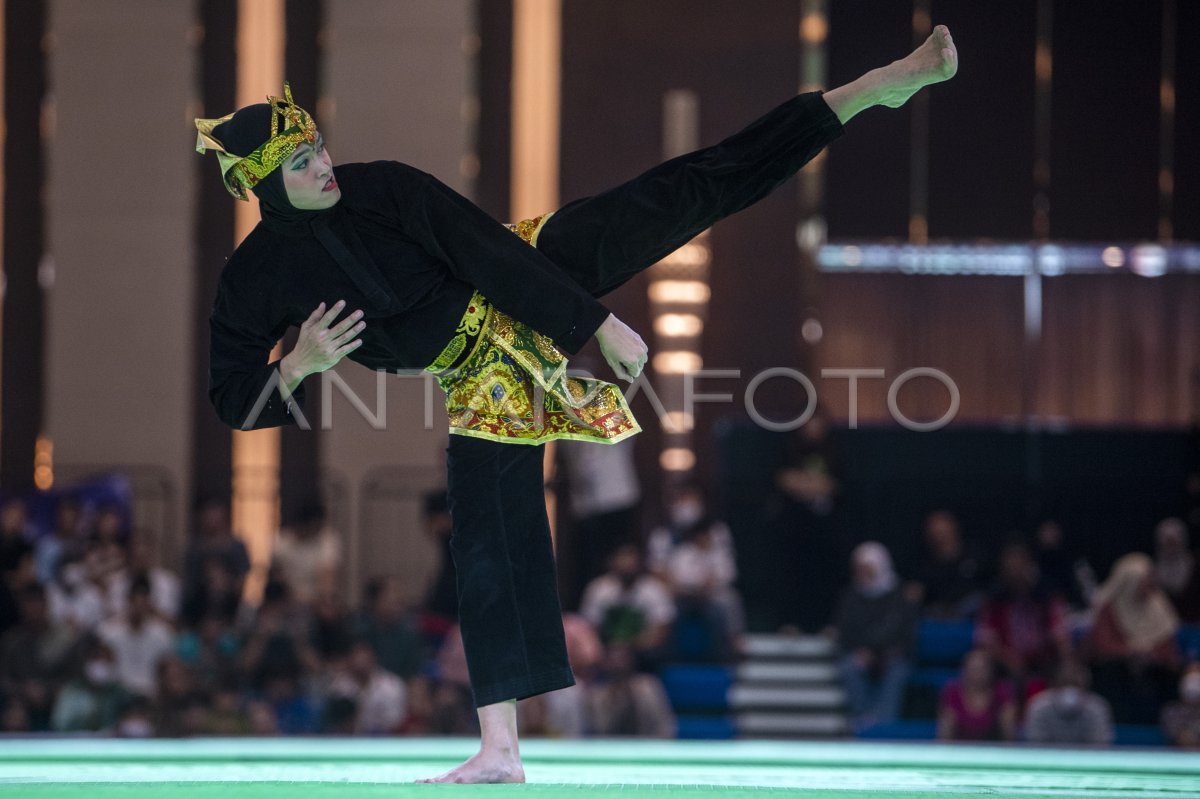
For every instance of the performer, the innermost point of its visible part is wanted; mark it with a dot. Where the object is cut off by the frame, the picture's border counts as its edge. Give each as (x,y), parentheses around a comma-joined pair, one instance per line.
(383,264)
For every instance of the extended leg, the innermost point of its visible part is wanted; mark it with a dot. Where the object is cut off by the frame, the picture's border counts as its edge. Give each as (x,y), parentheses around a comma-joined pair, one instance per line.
(603,241)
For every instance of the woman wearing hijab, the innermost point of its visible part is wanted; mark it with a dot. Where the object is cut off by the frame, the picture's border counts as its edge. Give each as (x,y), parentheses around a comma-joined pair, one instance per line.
(876,629)
(386,265)
(1132,646)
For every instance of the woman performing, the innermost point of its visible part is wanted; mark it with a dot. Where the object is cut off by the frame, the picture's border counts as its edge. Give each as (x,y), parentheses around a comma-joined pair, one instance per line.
(382,263)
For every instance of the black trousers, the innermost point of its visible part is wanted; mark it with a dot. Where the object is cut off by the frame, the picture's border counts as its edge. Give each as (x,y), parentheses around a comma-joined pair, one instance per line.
(509,610)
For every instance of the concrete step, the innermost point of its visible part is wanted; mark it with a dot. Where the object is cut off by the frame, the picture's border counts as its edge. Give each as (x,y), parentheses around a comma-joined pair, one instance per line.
(800,647)
(758,697)
(770,671)
(790,724)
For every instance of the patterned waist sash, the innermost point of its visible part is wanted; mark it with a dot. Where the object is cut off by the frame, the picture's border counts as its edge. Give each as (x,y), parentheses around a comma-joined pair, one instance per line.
(507,382)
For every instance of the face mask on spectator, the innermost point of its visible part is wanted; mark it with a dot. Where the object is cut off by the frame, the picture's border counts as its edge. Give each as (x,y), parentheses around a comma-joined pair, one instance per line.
(1069,698)
(685,513)
(1189,689)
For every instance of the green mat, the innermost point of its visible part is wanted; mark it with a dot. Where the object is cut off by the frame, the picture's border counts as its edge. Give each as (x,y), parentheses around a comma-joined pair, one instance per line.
(311,768)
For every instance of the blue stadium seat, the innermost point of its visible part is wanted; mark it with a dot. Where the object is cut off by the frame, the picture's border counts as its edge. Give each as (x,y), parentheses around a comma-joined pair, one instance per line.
(697,687)
(906,730)
(1139,735)
(932,676)
(943,643)
(1189,641)
(705,727)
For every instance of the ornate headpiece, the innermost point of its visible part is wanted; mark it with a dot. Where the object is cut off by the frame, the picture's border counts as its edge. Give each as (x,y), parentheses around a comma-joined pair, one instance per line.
(291,126)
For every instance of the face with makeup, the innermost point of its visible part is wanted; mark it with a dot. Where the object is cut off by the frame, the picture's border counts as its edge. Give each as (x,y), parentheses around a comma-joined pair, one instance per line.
(308,177)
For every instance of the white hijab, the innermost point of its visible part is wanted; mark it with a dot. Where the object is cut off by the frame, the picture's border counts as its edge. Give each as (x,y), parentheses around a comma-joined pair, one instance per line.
(877,555)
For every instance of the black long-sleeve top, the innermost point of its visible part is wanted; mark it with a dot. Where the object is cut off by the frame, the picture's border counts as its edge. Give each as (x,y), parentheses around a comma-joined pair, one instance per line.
(432,247)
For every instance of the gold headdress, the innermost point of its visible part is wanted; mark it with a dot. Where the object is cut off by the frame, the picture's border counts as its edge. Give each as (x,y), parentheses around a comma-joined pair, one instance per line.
(243,173)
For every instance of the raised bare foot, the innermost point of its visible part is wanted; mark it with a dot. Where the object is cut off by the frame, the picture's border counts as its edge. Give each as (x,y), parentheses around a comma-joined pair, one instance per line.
(489,767)
(934,61)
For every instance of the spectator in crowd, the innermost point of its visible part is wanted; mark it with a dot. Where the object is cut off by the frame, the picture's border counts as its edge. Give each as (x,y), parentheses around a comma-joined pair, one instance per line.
(291,708)
(225,716)
(179,706)
(1135,657)
(1069,713)
(1023,626)
(278,644)
(804,544)
(1181,718)
(627,605)
(686,513)
(378,695)
(700,570)
(308,554)
(441,597)
(623,702)
(949,576)
(389,625)
(978,706)
(331,627)
(92,700)
(64,540)
(211,649)
(165,596)
(16,534)
(219,594)
(452,709)
(206,585)
(137,719)
(604,513)
(1175,568)
(563,713)
(37,656)
(1064,573)
(105,556)
(73,598)
(12,582)
(876,629)
(138,640)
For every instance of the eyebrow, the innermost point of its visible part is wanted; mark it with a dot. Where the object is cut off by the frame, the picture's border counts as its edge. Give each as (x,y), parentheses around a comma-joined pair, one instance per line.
(301,151)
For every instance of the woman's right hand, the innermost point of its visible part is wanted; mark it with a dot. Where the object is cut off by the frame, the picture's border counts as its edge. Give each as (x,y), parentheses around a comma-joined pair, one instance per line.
(320,346)
(624,349)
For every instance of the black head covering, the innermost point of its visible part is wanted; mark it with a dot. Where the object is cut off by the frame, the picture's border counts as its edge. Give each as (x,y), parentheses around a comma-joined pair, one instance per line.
(249,129)
(246,131)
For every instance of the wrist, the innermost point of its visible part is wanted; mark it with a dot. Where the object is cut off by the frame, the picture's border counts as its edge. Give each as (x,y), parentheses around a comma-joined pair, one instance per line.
(289,371)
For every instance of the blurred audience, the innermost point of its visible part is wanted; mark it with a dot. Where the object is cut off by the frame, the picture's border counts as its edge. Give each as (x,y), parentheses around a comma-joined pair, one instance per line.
(1068,713)
(391,627)
(875,627)
(441,597)
(978,706)
(308,554)
(630,606)
(949,580)
(1063,571)
(1175,569)
(378,695)
(622,701)
(1181,718)
(214,565)
(604,511)
(37,657)
(1023,625)
(93,698)
(1132,644)
(138,640)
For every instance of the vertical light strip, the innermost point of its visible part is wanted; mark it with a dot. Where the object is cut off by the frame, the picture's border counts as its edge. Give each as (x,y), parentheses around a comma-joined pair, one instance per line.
(536,78)
(3,140)
(810,226)
(1166,126)
(918,187)
(1043,71)
(260,42)
(537,48)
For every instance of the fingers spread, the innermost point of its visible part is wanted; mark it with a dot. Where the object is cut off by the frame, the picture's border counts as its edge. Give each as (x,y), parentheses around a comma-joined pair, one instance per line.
(332,313)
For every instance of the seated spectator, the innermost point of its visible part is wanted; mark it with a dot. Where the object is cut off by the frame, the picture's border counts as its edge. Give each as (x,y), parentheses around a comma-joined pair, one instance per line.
(174,712)
(1132,647)
(138,640)
(289,707)
(563,713)
(278,644)
(330,629)
(1023,626)
(876,629)
(1175,568)
(211,651)
(308,554)
(64,540)
(74,598)
(1069,713)
(136,719)
(390,625)
(225,715)
(92,700)
(165,597)
(627,605)
(213,555)
(622,702)
(949,576)
(16,534)
(105,556)
(1181,718)
(978,706)
(37,656)
(701,570)
(377,694)
(685,513)
(1064,573)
